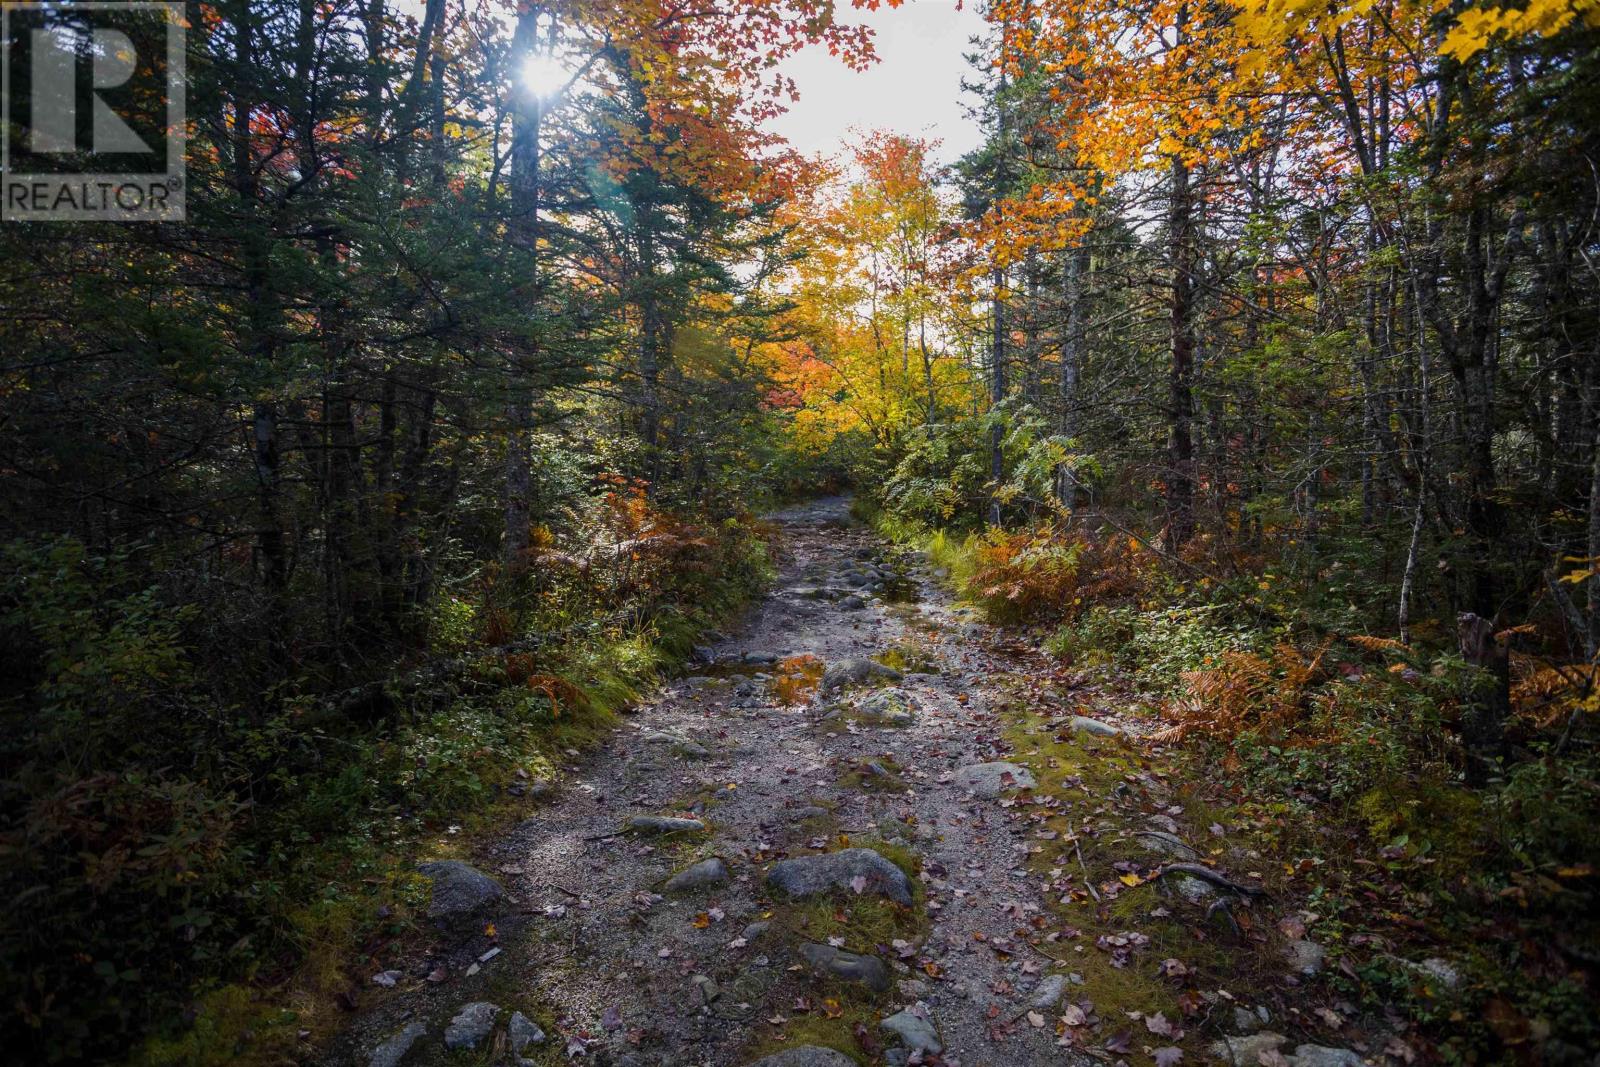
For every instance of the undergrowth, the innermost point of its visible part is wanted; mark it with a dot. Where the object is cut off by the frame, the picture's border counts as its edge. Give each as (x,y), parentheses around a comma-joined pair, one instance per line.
(194,875)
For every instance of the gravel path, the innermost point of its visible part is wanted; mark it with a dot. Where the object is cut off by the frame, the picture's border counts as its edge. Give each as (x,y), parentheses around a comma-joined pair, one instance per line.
(617,970)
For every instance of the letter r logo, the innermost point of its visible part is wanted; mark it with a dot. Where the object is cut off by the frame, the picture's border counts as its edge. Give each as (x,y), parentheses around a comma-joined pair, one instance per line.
(55,93)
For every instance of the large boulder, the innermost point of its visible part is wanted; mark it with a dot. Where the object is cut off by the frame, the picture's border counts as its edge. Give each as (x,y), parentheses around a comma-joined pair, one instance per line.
(806,876)
(460,891)
(992,779)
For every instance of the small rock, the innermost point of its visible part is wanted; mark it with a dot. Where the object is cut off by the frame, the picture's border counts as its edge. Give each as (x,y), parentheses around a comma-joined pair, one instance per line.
(753,932)
(992,779)
(1049,992)
(707,987)
(853,602)
(1245,1051)
(1433,969)
(1250,1022)
(392,1051)
(682,747)
(471,1026)
(1082,724)
(522,1031)
(827,960)
(1166,844)
(1193,889)
(890,706)
(912,988)
(806,1056)
(705,873)
(1323,1056)
(664,824)
(1305,957)
(387,979)
(806,876)
(459,890)
(856,672)
(914,1031)
(761,657)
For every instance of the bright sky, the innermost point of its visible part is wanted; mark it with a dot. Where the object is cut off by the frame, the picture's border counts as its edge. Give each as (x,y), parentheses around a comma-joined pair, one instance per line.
(914,88)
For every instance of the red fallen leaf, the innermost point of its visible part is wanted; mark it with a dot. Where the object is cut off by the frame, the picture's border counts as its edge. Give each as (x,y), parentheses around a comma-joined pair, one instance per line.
(1291,927)
(1190,1002)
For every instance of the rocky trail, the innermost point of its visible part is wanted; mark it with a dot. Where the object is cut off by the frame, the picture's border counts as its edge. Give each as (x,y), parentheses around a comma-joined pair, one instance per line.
(869,831)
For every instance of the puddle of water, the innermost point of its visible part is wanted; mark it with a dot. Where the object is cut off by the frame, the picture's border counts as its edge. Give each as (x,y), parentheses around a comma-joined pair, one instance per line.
(796,679)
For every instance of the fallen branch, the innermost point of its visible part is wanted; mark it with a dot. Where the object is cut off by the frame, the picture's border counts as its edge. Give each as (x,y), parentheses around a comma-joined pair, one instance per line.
(1206,874)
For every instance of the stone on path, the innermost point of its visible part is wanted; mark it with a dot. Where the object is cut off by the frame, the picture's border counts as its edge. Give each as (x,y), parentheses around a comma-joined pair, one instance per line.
(705,873)
(682,747)
(471,1026)
(806,1056)
(856,672)
(891,707)
(664,824)
(827,960)
(914,1031)
(1246,1051)
(806,876)
(992,779)
(459,890)
(1082,724)
(1049,992)
(392,1051)
(522,1031)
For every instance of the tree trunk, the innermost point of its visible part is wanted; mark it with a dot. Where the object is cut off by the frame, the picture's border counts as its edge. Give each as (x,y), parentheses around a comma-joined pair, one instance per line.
(1487,701)
(526,120)
(1076,266)
(1180,396)
(997,393)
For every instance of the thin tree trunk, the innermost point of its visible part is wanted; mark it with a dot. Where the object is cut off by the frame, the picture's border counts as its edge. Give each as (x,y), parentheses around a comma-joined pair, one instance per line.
(1180,397)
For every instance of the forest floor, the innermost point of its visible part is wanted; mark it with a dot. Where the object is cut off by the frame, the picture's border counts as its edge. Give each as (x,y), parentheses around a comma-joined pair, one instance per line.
(1034,925)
